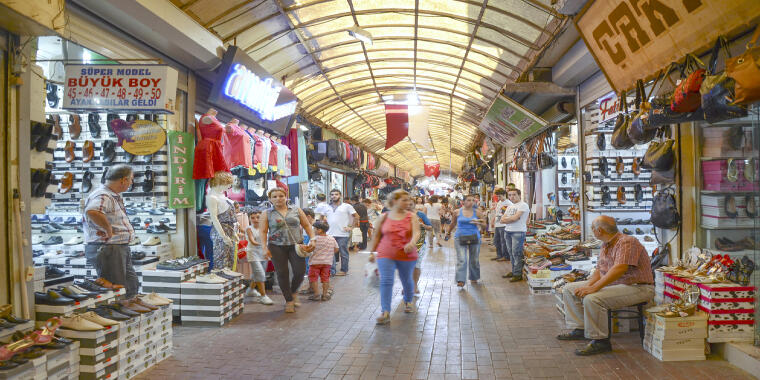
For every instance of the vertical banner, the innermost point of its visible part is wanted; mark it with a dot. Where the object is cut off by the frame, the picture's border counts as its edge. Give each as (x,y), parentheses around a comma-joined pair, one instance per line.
(418,126)
(396,124)
(181,184)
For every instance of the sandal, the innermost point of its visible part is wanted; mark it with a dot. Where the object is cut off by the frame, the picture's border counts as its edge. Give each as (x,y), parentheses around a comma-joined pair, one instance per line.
(315,297)
(384,318)
(290,307)
(326,297)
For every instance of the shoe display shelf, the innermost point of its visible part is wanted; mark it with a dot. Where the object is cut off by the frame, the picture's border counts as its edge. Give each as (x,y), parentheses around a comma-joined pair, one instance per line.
(45,312)
(98,352)
(568,181)
(206,305)
(166,283)
(145,343)
(162,251)
(675,339)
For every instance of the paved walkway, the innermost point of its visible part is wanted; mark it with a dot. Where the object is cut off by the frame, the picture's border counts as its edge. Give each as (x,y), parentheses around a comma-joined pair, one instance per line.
(491,330)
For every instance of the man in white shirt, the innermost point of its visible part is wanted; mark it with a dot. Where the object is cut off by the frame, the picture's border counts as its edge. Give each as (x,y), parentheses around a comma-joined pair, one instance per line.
(498,238)
(515,221)
(434,214)
(342,218)
(322,208)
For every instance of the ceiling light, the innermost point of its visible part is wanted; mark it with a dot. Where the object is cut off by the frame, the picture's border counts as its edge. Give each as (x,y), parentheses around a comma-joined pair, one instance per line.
(360,34)
(303,128)
(413,99)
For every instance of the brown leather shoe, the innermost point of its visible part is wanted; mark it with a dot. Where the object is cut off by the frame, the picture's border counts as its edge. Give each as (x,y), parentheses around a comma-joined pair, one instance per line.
(68,151)
(108,284)
(88,151)
(619,166)
(66,183)
(131,305)
(75,129)
(621,195)
(57,130)
(144,304)
(636,168)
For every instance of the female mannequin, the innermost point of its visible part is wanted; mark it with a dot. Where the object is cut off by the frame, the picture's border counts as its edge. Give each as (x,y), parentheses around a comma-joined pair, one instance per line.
(237,146)
(209,157)
(223,220)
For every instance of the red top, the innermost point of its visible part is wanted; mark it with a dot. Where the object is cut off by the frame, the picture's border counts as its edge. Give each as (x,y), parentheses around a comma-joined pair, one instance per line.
(396,234)
(237,147)
(209,157)
(237,196)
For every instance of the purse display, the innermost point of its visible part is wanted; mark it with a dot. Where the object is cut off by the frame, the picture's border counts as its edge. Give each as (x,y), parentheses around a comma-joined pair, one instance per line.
(660,113)
(718,90)
(640,131)
(664,210)
(620,139)
(744,69)
(686,97)
(660,155)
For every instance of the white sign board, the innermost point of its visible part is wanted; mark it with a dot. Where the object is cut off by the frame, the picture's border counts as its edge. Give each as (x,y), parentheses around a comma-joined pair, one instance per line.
(147,88)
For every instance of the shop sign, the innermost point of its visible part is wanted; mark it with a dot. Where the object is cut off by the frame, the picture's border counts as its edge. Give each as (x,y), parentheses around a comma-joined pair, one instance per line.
(141,137)
(146,88)
(634,39)
(181,185)
(242,86)
(509,123)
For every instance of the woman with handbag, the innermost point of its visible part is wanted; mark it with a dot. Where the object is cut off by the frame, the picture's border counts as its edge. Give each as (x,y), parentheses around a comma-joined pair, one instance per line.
(280,228)
(394,240)
(467,221)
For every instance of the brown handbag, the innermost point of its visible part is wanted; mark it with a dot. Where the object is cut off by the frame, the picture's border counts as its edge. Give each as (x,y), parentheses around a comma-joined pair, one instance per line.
(745,70)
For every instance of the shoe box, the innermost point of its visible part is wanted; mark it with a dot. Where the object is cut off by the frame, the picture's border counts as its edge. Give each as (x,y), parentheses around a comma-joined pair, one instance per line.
(714,144)
(675,339)
(5,334)
(731,312)
(23,372)
(714,176)
(714,212)
(209,304)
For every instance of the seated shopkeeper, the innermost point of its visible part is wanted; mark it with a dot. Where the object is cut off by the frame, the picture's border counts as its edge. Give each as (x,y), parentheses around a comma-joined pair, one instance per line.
(623,277)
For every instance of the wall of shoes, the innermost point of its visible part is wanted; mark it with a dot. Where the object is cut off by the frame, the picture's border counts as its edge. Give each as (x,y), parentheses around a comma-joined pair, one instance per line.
(615,184)
(71,154)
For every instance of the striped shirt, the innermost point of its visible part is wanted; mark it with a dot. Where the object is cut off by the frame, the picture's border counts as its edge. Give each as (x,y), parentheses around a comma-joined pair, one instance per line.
(110,204)
(324,250)
(624,249)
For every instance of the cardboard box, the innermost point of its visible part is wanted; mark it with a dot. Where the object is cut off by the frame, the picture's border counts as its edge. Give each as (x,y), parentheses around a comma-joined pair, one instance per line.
(691,327)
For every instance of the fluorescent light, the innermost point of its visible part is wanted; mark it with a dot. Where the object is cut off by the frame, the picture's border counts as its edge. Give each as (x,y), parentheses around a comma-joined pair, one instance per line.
(388,98)
(360,34)
(303,127)
(413,99)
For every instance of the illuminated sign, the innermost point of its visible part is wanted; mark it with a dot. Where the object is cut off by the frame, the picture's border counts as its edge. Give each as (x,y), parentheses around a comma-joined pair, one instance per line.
(257,94)
(243,88)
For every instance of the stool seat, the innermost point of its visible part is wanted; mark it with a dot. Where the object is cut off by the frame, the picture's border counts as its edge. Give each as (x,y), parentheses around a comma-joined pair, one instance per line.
(638,314)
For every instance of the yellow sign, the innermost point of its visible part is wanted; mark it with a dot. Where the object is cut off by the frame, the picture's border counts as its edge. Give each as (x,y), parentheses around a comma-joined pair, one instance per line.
(634,39)
(142,137)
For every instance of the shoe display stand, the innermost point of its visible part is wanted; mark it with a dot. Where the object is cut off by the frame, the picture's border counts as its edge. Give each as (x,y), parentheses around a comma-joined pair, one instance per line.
(167,283)
(729,307)
(675,339)
(568,180)
(603,185)
(207,305)
(44,312)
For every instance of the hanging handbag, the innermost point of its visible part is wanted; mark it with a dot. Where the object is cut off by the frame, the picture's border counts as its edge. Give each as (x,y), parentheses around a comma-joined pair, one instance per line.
(686,97)
(660,155)
(333,149)
(664,210)
(663,177)
(745,70)
(620,139)
(640,130)
(660,113)
(718,90)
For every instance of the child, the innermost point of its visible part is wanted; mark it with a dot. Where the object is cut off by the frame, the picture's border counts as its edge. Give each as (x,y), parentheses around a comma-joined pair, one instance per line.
(255,253)
(321,261)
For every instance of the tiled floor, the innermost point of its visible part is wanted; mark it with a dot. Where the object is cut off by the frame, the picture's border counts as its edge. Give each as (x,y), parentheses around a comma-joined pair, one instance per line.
(491,330)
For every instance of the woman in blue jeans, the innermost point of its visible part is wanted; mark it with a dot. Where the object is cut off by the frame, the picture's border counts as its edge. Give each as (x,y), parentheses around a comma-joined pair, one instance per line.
(394,239)
(467,240)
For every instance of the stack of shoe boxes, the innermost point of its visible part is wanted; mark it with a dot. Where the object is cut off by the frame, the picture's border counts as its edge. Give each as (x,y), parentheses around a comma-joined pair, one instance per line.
(675,339)
(731,312)
(659,287)
(207,305)
(98,352)
(147,342)
(165,283)
(59,365)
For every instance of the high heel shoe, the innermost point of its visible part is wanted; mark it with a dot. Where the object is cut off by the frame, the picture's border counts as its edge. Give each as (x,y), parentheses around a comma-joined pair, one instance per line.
(48,332)
(12,349)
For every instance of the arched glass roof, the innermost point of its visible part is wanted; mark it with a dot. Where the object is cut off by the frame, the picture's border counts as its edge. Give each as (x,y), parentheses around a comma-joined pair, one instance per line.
(456,54)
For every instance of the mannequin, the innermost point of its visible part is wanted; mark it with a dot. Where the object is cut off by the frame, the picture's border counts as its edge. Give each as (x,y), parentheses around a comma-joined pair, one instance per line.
(237,145)
(209,157)
(231,124)
(223,220)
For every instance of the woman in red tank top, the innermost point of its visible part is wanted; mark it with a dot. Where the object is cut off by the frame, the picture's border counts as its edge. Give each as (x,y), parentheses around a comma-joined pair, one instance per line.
(395,234)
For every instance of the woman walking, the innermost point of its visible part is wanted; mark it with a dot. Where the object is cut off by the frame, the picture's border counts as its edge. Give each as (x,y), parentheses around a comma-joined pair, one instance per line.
(394,239)
(280,227)
(468,221)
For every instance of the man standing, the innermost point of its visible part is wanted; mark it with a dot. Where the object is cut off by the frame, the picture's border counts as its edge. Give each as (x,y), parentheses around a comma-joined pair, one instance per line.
(515,221)
(107,231)
(434,214)
(342,218)
(361,210)
(623,278)
(499,239)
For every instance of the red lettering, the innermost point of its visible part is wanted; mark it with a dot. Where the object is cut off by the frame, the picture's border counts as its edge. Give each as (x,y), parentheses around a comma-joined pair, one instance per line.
(95,81)
(132,82)
(117,82)
(155,81)
(83,81)
(144,82)
(72,82)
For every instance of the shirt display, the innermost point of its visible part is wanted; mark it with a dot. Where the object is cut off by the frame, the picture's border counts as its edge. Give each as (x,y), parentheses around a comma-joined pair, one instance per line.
(237,147)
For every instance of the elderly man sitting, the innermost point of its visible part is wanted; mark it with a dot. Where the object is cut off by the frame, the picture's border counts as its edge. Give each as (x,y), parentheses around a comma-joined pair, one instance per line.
(623,277)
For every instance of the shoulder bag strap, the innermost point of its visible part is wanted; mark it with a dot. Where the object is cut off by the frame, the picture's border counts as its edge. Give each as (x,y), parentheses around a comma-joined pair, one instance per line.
(287,226)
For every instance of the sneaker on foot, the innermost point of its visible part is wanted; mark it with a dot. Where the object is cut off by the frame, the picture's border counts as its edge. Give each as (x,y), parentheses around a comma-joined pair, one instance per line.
(515,279)
(341,273)
(265,300)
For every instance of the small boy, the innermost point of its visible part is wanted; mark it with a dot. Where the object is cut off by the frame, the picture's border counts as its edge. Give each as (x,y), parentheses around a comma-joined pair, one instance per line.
(321,261)
(255,255)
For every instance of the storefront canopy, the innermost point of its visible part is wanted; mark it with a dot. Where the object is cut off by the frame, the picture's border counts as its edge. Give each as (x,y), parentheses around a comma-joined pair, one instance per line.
(457,54)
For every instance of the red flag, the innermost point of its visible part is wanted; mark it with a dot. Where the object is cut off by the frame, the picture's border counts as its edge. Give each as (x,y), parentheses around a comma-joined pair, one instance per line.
(396,124)
(432,170)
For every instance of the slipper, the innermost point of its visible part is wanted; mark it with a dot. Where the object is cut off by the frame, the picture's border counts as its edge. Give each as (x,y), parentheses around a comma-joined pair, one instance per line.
(109,151)
(93,122)
(147,185)
(75,128)
(87,181)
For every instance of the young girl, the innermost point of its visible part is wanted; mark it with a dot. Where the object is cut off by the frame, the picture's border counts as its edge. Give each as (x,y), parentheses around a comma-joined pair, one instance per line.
(256,259)
(321,261)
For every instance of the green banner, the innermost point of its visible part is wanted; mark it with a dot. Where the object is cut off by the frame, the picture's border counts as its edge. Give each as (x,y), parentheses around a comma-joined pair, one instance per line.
(509,123)
(181,184)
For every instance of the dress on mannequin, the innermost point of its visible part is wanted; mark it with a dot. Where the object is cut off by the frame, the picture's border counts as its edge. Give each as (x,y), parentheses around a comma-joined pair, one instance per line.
(222,251)
(273,155)
(237,147)
(209,157)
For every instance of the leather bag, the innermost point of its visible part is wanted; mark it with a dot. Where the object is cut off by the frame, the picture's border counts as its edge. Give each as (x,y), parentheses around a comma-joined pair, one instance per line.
(640,130)
(620,139)
(718,90)
(660,113)
(745,70)
(664,210)
(686,97)
(660,155)
(468,239)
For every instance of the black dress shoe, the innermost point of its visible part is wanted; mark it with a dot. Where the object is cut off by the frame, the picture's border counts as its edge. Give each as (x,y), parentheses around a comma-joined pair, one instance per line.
(606,199)
(603,166)
(596,346)
(600,141)
(638,193)
(51,272)
(48,229)
(109,313)
(93,287)
(52,298)
(109,151)
(154,229)
(577,334)
(67,292)
(117,307)
(138,255)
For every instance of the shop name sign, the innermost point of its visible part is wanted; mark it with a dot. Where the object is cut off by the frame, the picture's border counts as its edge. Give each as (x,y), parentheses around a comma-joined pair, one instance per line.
(181,184)
(509,123)
(634,39)
(257,94)
(150,88)
(244,88)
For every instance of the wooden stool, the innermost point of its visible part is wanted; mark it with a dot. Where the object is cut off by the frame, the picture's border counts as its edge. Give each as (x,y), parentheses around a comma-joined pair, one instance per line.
(628,314)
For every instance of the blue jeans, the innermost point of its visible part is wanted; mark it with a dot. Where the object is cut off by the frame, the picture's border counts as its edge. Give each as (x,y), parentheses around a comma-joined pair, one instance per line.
(206,244)
(343,252)
(498,241)
(514,242)
(464,262)
(387,269)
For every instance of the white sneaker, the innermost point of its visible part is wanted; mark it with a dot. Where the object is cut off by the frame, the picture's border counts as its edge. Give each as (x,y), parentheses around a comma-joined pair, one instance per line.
(229,272)
(152,241)
(135,241)
(253,292)
(265,300)
(76,240)
(37,239)
(210,279)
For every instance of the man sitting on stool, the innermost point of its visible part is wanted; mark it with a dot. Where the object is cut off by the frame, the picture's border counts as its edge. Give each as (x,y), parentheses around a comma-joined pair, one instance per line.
(623,277)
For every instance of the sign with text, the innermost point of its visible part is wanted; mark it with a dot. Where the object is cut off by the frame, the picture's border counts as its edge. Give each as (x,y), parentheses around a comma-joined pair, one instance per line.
(509,123)
(181,184)
(634,39)
(246,89)
(147,88)
(142,137)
